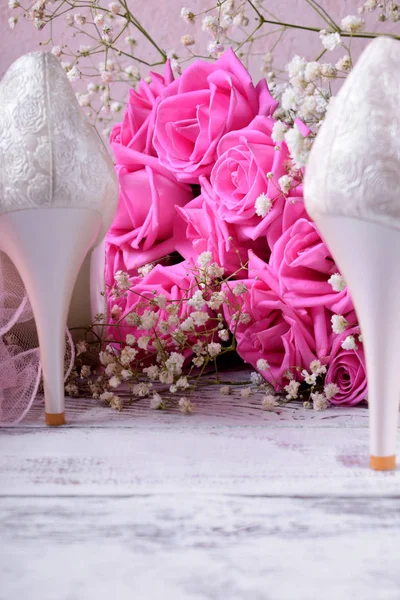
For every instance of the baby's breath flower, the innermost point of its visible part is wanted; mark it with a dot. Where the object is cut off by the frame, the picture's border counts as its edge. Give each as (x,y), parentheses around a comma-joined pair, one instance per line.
(317,368)
(352,24)
(156,402)
(223,335)
(245,318)
(106,358)
(246,392)
(148,320)
(85,371)
(174,363)
(188,324)
(73,73)
(133,319)
(130,339)
(186,406)
(128,355)
(309,378)
(111,369)
(285,183)
(278,132)
(312,71)
(225,390)
(145,270)
(337,282)
(215,271)
(299,146)
(349,343)
(71,389)
(182,383)
(116,106)
(114,382)
(269,402)
(330,390)
(215,48)
(187,40)
(56,50)
(187,15)
(122,280)
(152,372)
(141,389)
(200,318)
(116,402)
(81,347)
(211,25)
(126,374)
(198,361)
(256,378)
(239,289)
(292,390)
(328,70)
(330,41)
(197,300)
(204,259)
(84,99)
(213,349)
(99,19)
(79,19)
(13,4)
(339,323)
(319,401)
(216,300)
(143,342)
(106,77)
(262,364)
(114,7)
(262,205)
(344,63)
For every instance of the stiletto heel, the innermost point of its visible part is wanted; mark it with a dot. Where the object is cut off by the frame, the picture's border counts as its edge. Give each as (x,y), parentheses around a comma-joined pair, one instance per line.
(364,253)
(58,198)
(48,246)
(351,191)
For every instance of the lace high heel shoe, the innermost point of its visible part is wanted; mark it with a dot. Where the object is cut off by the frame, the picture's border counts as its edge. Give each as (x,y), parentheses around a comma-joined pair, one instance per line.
(352,193)
(58,197)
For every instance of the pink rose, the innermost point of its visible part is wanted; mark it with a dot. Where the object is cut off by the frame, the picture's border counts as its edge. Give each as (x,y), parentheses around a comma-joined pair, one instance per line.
(136,130)
(143,226)
(200,228)
(199,107)
(239,178)
(300,267)
(276,333)
(347,369)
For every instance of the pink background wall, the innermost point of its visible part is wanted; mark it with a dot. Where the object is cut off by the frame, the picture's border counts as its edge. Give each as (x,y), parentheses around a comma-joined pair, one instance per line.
(163,20)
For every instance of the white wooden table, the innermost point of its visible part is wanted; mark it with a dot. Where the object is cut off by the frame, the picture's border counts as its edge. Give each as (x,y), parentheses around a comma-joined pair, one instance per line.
(231,503)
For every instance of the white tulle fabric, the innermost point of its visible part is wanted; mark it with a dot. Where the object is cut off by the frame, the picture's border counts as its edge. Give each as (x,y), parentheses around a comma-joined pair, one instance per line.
(50,156)
(353,168)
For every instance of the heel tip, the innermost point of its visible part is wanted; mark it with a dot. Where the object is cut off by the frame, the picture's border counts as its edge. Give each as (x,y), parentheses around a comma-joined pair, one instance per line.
(383,463)
(54,420)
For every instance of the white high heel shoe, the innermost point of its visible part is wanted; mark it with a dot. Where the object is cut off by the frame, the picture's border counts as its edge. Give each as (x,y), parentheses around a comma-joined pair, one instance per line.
(58,197)
(352,192)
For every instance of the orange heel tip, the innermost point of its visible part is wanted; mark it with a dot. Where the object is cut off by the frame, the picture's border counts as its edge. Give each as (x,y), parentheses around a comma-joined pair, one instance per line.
(383,463)
(55,420)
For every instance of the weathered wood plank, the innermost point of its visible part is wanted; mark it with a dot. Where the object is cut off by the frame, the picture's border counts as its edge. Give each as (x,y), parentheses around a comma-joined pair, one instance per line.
(199,548)
(167,459)
(212,409)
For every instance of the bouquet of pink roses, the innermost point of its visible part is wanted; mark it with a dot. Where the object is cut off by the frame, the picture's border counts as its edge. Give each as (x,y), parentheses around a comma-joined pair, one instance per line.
(208,188)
